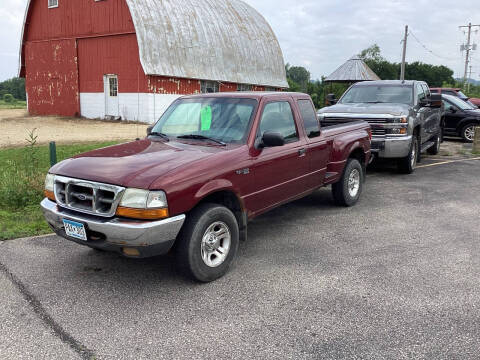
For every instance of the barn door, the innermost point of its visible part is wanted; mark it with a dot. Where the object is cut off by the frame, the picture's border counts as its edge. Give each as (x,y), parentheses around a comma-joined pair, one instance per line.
(111,95)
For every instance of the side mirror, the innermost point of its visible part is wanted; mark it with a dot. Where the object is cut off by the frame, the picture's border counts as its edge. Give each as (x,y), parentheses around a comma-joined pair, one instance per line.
(453,110)
(435,101)
(149,130)
(331,99)
(272,139)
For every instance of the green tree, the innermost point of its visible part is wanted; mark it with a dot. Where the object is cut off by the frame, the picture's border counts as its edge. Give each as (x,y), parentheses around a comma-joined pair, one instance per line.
(15,87)
(299,75)
(8,98)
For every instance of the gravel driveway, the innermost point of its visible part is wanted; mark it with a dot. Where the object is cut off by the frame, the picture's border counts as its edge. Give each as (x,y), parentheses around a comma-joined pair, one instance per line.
(15,125)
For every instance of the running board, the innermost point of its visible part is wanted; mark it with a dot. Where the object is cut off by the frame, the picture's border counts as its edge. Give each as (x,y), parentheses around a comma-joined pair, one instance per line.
(427,146)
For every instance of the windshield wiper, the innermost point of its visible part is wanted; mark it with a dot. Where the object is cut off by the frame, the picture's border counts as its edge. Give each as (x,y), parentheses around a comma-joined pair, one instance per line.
(374,102)
(201,137)
(162,135)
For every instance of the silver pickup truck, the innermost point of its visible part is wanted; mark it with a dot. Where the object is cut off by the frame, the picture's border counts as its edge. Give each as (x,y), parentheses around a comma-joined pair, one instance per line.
(404,116)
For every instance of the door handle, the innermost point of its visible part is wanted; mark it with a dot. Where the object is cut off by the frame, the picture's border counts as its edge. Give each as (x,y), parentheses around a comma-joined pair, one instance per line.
(302,152)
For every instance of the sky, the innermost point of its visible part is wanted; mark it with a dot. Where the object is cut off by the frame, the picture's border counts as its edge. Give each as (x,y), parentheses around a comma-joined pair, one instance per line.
(321,35)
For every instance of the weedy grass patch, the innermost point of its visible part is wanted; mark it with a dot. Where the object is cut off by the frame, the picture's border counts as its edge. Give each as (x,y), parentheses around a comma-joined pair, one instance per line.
(22,177)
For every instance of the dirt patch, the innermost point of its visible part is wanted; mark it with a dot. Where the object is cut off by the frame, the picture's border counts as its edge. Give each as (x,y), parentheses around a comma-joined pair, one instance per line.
(15,125)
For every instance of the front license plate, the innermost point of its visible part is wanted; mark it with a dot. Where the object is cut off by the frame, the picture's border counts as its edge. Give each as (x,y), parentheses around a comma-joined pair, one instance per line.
(75,230)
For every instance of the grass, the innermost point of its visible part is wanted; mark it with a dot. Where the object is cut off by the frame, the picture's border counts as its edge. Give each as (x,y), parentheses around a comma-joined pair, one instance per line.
(22,177)
(18,104)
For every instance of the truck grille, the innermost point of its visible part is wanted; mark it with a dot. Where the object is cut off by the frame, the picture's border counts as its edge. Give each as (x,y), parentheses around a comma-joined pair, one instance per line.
(375,123)
(87,196)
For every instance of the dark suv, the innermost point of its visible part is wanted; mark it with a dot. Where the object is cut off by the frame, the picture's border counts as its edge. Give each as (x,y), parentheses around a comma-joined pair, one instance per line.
(460,118)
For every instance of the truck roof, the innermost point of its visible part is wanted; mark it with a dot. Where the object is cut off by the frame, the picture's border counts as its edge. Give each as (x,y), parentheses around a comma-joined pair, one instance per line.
(249,94)
(388,82)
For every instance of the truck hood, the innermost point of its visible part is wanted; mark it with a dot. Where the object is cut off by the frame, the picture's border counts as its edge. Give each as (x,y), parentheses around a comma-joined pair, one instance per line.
(367,109)
(137,164)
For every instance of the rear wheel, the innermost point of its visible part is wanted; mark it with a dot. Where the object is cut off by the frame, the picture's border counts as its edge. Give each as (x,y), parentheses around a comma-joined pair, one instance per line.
(208,243)
(435,149)
(407,165)
(468,133)
(347,191)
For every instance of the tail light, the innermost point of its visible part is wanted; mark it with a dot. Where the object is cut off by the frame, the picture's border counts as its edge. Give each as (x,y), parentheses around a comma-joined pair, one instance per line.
(370,133)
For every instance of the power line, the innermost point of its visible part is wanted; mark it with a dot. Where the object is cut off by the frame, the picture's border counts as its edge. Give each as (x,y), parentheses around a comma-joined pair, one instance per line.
(427,49)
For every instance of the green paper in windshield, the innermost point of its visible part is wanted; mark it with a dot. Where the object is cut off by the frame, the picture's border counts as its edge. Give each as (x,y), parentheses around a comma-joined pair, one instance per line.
(206,118)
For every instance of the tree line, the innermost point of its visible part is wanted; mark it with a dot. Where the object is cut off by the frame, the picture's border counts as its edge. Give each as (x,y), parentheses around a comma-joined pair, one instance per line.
(14,87)
(299,78)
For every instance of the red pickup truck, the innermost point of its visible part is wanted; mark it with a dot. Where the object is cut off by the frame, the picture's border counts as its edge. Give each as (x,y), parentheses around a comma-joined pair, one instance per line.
(208,166)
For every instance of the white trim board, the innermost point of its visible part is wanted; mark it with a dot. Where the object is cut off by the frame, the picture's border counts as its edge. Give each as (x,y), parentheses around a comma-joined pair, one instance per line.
(143,107)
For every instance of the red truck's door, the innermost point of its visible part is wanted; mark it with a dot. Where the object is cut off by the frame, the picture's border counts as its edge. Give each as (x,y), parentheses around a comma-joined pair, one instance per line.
(279,171)
(318,150)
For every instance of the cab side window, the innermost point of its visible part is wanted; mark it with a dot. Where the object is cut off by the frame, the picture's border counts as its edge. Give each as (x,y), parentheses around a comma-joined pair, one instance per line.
(427,90)
(420,93)
(310,121)
(278,117)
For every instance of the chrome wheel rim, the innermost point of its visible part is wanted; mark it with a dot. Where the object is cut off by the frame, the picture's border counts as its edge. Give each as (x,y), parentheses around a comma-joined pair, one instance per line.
(439,141)
(470,133)
(216,244)
(413,159)
(354,182)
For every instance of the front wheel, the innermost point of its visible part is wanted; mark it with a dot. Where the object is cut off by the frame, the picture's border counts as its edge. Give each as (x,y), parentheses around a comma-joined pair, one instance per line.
(408,164)
(208,243)
(347,191)
(468,133)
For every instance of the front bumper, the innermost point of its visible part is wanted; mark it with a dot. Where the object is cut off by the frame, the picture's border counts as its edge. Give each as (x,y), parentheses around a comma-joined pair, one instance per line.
(391,147)
(150,238)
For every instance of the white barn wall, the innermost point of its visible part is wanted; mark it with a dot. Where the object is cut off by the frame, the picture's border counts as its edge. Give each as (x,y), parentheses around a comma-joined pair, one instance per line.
(143,107)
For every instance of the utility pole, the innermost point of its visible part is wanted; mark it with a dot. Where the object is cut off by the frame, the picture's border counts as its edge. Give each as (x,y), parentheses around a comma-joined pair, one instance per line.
(470,77)
(468,48)
(404,54)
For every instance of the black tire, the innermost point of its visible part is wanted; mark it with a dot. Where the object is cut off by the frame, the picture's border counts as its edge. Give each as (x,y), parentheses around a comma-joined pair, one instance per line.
(407,164)
(464,133)
(188,246)
(341,190)
(435,149)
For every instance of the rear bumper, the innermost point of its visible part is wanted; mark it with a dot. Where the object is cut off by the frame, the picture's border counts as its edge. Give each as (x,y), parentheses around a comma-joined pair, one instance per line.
(391,147)
(150,238)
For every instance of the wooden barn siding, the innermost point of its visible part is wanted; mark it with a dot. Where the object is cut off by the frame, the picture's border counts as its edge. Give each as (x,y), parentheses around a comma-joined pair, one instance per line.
(52,74)
(77,18)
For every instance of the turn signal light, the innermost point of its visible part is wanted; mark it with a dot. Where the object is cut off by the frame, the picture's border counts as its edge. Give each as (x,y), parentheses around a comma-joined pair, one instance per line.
(403,131)
(49,195)
(142,214)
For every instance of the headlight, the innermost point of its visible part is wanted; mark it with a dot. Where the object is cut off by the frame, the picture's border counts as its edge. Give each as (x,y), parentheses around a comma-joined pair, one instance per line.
(49,185)
(401,120)
(143,204)
(49,182)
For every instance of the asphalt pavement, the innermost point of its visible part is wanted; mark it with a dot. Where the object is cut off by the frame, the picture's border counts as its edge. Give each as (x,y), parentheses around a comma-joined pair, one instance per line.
(395,277)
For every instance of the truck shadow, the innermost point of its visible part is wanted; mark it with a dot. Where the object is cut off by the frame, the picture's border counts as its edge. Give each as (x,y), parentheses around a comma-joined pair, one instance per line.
(88,265)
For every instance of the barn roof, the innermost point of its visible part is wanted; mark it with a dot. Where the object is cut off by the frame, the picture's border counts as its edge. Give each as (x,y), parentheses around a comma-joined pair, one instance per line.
(353,70)
(224,40)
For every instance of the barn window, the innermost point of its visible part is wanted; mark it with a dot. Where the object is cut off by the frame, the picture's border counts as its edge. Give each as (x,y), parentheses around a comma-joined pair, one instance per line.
(52,4)
(209,87)
(243,87)
(270,89)
(113,82)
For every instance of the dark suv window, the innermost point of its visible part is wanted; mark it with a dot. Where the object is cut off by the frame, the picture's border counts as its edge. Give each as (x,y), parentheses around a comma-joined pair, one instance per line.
(312,126)
(278,117)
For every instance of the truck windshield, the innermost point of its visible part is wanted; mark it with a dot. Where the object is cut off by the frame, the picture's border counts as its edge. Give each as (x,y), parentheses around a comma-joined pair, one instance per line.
(225,120)
(378,95)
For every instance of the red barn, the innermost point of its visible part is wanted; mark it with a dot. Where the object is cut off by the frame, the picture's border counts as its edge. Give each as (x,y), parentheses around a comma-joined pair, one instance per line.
(132,58)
